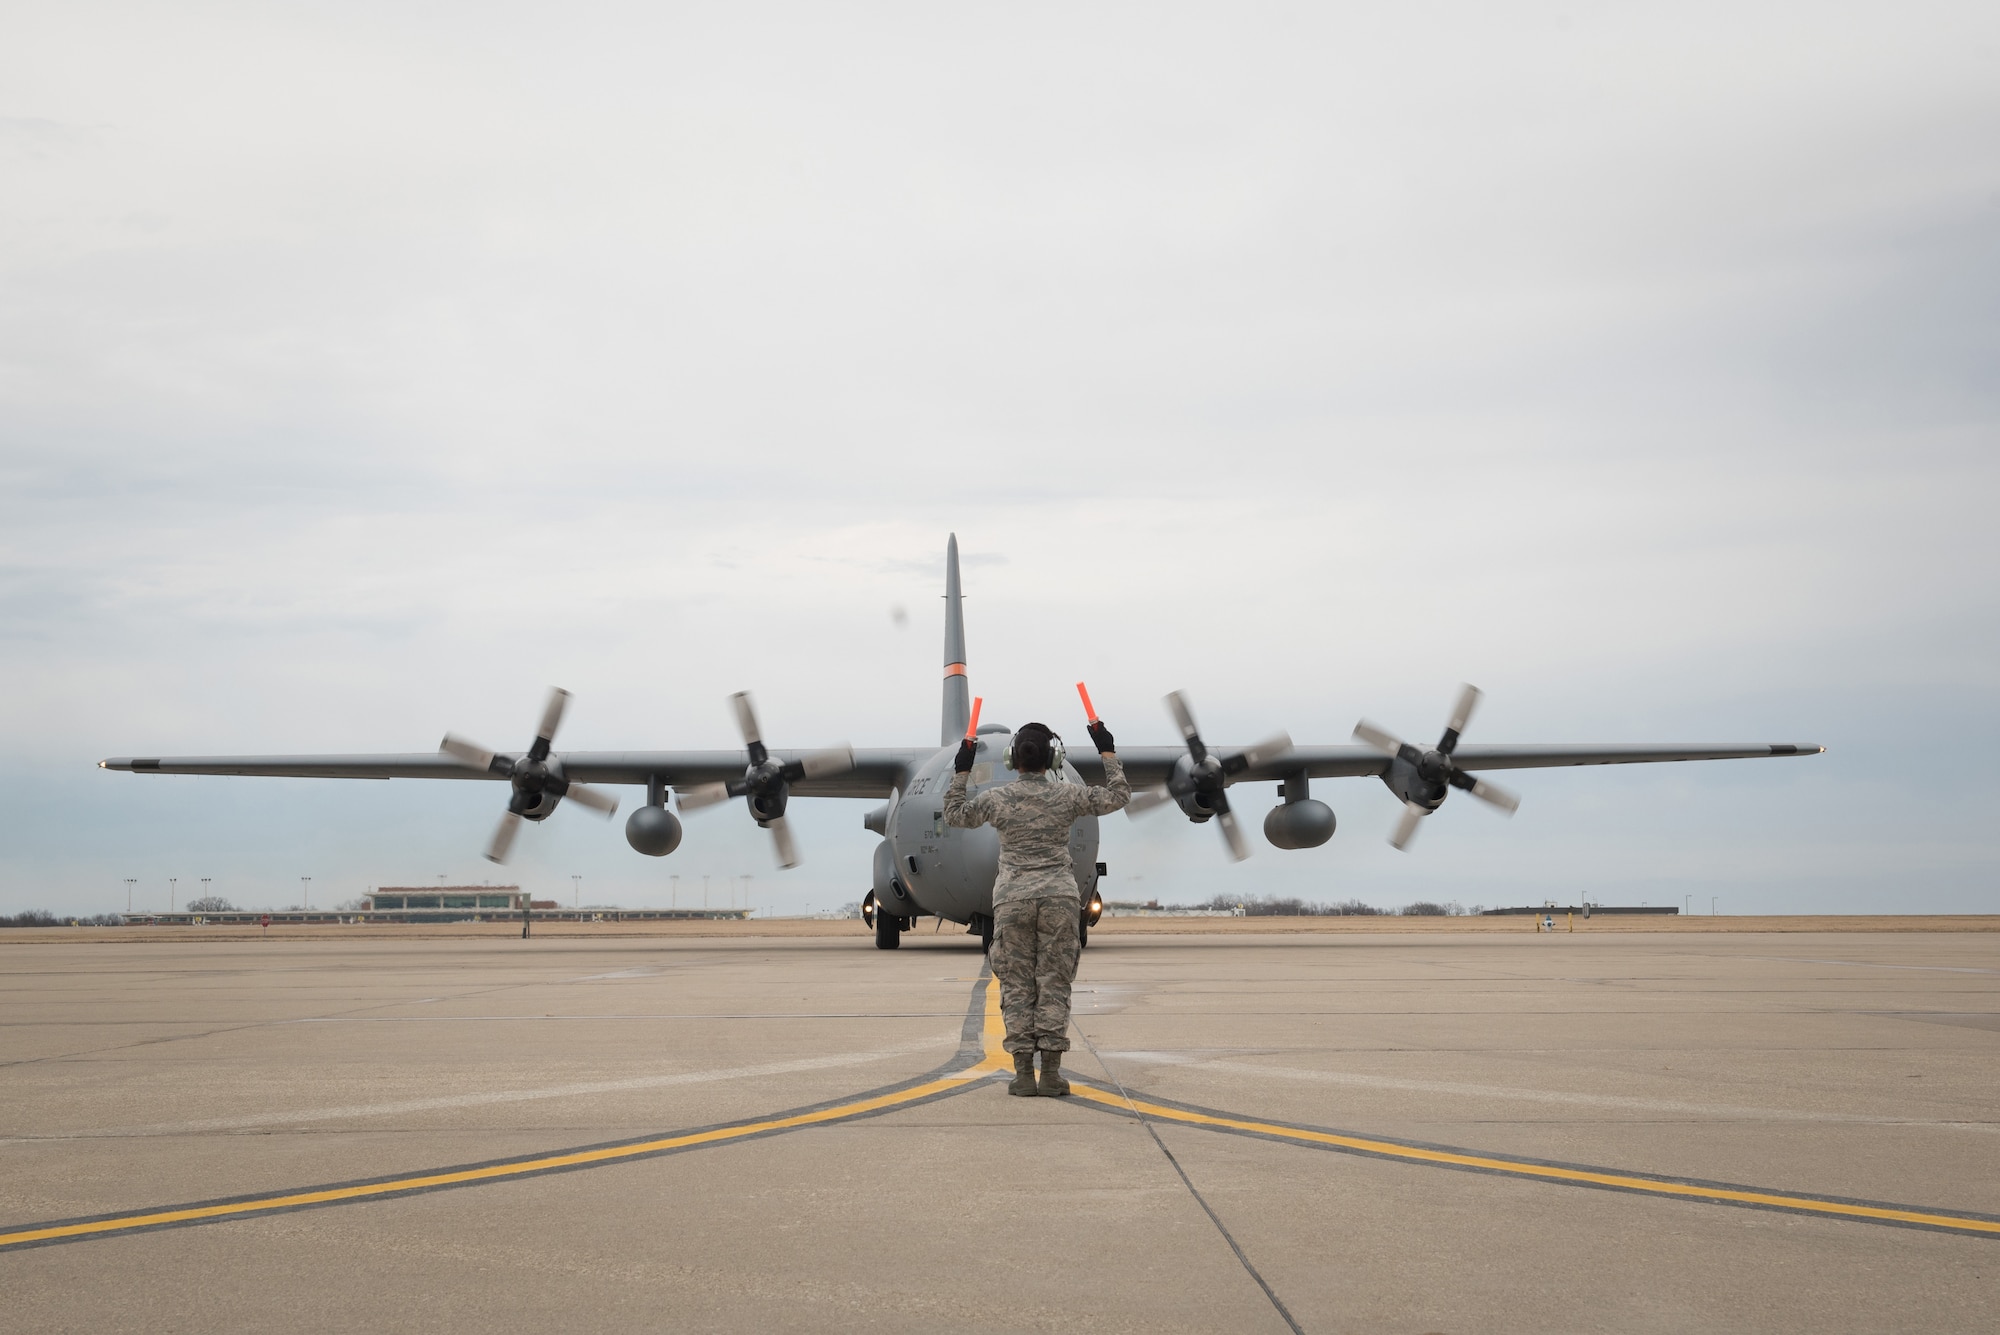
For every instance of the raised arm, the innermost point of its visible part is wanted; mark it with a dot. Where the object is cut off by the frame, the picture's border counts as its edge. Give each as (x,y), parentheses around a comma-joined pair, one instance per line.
(1114,792)
(959,810)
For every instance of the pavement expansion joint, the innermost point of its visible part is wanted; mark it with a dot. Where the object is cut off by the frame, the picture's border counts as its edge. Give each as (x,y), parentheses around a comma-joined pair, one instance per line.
(978,1059)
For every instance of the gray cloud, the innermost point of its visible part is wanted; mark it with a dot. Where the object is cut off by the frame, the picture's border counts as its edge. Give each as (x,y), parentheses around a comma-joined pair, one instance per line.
(362,374)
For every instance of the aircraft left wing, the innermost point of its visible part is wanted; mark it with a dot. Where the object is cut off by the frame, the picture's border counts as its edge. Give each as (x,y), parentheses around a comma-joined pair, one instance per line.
(1148,766)
(875,772)
(1469,756)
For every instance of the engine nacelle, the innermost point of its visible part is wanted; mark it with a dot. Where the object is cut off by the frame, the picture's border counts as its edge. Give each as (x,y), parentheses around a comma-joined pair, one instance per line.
(1182,784)
(768,791)
(1422,781)
(1303,824)
(654,831)
(532,799)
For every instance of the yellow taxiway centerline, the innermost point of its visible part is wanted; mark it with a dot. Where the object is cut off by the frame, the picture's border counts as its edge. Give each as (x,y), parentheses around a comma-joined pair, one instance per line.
(492,1172)
(1544,1172)
(991,1033)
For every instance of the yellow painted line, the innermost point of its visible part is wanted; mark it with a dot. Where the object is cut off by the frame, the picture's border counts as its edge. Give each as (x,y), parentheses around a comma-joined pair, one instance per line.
(995,1031)
(1546,1172)
(991,1033)
(995,1058)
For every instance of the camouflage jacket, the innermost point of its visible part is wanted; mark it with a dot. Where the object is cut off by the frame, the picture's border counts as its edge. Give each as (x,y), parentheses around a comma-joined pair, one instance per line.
(1033,815)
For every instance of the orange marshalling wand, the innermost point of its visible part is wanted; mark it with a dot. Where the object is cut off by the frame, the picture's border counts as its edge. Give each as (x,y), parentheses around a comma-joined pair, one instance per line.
(972,728)
(1089,709)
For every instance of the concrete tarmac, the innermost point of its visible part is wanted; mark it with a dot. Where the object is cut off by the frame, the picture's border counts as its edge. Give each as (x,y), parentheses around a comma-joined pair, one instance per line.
(1840,1067)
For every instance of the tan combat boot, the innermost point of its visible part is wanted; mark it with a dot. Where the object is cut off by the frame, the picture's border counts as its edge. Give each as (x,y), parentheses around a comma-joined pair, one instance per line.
(1053,1086)
(1023,1082)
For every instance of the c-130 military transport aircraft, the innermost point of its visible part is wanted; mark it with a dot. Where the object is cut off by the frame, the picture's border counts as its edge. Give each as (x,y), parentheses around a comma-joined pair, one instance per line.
(924,867)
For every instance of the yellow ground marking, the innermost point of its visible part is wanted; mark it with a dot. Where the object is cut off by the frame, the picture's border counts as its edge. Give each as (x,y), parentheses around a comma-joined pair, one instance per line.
(994,1058)
(995,1031)
(992,1031)
(1545,1172)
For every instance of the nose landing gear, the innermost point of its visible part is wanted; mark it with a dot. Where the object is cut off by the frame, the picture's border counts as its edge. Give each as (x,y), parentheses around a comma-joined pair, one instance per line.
(888,927)
(981,926)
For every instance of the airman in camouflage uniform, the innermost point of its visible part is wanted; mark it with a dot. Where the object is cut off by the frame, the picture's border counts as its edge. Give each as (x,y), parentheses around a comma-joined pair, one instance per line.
(1036,904)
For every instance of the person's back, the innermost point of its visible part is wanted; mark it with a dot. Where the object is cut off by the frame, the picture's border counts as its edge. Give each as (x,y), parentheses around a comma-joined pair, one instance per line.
(1036,899)
(1033,815)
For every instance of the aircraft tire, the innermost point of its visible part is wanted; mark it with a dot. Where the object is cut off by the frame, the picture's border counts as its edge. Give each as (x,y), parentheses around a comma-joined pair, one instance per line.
(1082,935)
(888,932)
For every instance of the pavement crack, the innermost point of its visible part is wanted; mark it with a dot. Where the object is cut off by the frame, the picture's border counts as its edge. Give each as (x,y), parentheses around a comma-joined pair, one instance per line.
(1277,1303)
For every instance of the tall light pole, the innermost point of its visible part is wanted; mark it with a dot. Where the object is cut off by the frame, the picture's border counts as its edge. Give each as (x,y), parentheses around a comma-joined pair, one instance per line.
(704,892)
(307,882)
(746,890)
(675,902)
(204,886)
(1711,906)
(1690,900)
(171,885)
(130,881)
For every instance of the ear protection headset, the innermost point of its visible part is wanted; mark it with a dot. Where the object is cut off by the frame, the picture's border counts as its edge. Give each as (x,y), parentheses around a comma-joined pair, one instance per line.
(1057,756)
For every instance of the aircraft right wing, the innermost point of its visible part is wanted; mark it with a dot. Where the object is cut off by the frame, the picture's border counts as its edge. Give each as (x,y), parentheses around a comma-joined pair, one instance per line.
(875,771)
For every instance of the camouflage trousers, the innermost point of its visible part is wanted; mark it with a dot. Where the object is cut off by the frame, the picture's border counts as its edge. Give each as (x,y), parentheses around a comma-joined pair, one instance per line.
(1034,953)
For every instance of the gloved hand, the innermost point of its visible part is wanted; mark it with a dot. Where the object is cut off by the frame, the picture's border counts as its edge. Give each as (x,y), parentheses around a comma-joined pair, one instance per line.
(1101,735)
(962,762)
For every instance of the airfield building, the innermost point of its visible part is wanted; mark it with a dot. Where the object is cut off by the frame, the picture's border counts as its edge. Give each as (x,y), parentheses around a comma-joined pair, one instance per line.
(434,902)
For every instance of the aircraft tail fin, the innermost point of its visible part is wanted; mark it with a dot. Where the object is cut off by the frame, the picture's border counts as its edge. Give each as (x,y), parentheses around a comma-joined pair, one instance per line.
(957,690)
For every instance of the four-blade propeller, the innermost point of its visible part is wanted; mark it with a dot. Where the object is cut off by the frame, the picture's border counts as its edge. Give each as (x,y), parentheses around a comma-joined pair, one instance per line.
(766,781)
(1423,777)
(1200,778)
(538,784)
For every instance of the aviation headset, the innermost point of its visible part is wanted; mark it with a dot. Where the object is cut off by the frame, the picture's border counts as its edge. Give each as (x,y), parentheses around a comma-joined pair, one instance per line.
(1054,743)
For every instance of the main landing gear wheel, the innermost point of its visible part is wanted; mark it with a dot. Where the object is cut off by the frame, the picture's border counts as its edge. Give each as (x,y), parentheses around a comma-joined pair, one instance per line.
(986,937)
(1082,935)
(888,931)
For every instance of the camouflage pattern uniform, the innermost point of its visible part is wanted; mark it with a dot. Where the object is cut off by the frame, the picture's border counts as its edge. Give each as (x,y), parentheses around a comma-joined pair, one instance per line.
(1036,904)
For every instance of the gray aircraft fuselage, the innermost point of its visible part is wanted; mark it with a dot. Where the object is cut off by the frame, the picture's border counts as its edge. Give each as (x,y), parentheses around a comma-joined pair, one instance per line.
(924,866)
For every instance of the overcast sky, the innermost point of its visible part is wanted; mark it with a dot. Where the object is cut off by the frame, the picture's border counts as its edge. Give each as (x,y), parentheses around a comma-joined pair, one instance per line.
(365,371)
